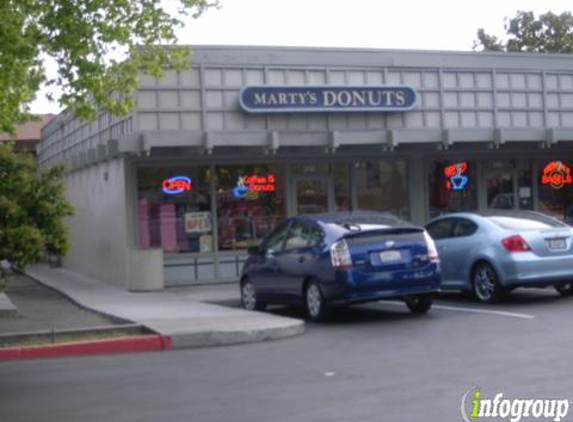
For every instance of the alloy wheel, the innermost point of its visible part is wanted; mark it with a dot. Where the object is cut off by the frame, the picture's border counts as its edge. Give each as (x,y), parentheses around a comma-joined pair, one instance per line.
(316,307)
(248,296)
(486,284)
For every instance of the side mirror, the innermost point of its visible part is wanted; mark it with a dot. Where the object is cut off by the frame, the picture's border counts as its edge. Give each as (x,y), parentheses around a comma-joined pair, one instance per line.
(253,250)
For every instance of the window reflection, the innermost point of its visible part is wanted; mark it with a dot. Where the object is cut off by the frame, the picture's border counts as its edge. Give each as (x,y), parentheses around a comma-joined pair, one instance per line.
(382,186)
(174,209)
(250,203)
(452,186)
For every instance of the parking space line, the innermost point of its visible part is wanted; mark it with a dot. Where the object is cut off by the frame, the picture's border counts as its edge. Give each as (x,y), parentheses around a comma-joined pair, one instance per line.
(473,310)
(484,311)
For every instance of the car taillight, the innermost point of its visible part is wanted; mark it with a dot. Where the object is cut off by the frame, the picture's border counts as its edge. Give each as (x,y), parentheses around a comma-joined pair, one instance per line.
(432,250)
(340,255)
(515,243)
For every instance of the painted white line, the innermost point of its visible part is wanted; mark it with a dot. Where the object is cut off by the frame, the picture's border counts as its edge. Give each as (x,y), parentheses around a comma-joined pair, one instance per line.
(472,310)
(484,311)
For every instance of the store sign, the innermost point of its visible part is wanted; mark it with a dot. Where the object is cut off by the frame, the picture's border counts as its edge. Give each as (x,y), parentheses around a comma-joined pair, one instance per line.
(176,185)
(197,222)
(304,99)
(556,174)
(457,179)
(250,186)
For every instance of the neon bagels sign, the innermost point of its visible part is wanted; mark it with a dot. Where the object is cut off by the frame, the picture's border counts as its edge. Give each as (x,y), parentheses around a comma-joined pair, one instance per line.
(556,174)
(175,185)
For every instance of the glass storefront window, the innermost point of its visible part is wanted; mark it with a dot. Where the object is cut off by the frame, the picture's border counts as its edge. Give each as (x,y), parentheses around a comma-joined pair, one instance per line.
(381,185)
(341,187)
(452,186)
(556,189)
(174,209)
(524,191)
(250,203)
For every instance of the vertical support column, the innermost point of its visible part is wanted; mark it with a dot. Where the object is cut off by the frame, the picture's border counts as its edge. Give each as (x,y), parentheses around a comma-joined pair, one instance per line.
(417,186)
(215,222)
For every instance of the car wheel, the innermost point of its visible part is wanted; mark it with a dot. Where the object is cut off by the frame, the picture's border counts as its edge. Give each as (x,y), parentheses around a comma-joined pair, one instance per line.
(565,289)
(249,299)
(316,307)
(419,304)
(485,283)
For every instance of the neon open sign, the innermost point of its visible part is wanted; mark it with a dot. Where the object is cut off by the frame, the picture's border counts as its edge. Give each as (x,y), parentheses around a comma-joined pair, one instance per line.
(556,174)
(250,186)
(457,180)
(175,185)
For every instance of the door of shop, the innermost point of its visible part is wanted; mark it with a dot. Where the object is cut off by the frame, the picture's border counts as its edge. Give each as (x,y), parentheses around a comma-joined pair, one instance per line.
(501,189)
(311,194)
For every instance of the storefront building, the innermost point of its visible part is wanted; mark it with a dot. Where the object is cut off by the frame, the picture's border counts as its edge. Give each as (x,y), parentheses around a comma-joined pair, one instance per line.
(216,155)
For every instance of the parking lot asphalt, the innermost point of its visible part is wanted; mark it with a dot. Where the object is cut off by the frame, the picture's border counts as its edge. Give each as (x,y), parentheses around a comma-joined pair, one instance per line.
(373,362)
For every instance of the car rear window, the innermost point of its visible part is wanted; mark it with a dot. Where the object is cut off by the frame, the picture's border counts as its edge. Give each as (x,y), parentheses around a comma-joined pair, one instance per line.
(371,222)
(526,223)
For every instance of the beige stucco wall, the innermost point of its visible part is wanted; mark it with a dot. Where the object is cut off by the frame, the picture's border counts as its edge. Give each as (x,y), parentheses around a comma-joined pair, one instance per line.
(98,230)
(102,229)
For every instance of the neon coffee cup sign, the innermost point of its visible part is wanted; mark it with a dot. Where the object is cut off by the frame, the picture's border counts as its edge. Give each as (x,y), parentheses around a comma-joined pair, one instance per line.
(457,179)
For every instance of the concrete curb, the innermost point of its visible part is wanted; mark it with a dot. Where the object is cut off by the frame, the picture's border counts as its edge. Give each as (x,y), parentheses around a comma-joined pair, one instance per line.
(190,323)
(130,344)
(233,337)
(7,308)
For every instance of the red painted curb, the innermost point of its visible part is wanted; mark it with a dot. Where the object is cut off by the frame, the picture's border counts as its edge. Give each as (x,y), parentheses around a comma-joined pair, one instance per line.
(128,344)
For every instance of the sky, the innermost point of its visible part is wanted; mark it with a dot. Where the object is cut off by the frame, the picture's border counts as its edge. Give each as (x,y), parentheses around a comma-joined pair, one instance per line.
(396,24)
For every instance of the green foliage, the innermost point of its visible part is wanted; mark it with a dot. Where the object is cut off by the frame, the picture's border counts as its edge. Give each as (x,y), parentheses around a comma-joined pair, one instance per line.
(32,206)
(99,47)
(550,33)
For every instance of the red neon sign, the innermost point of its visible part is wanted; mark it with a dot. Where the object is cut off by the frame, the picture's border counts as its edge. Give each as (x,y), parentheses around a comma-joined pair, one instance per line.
(454,169)
(175,185)
(457,180)
(556,174)
(249,186)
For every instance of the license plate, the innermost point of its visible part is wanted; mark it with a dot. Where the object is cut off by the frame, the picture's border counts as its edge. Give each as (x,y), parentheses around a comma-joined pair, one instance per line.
(556,244)
(390,256)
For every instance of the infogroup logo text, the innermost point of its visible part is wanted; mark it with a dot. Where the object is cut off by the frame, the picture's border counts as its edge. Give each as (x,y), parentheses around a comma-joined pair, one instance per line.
(474,408)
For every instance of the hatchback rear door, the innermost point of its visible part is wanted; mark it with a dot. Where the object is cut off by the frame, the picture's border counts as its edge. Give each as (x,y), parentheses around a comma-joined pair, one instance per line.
(388,250)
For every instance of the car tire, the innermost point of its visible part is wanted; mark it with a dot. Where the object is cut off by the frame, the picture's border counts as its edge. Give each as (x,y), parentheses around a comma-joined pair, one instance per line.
(419,304)
(485,284)
(315,305)
(249,300)
(564,289)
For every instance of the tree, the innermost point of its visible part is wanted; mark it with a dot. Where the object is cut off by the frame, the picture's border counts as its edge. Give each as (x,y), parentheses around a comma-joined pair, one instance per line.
(98,46)
(32,208)
(550,33)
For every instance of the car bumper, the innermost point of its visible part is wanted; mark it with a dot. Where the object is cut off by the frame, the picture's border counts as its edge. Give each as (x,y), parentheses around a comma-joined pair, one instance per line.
(355,286)
(530,270)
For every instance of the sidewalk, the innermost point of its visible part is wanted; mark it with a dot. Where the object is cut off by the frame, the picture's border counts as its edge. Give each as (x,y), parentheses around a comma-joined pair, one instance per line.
(185,319)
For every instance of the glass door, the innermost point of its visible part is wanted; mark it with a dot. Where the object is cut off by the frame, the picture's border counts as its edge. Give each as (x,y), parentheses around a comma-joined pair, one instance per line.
(311,194)
(501,189)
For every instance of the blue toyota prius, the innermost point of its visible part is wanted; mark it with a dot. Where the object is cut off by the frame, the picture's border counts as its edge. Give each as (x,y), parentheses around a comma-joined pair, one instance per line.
(323,260)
